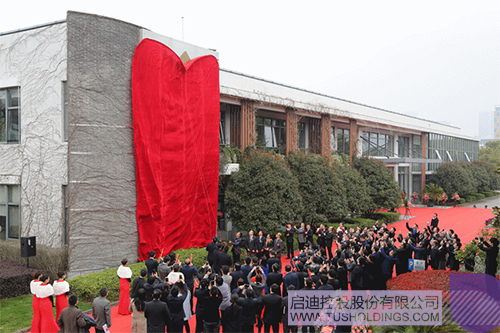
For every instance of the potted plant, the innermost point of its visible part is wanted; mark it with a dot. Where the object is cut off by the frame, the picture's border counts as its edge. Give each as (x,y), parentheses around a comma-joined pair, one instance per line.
(435,192)
(456,198)
(414,195)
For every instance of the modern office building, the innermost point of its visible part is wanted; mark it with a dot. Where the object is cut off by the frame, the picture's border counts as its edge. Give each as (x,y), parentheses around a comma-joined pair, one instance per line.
(67,166)
(496,122)
(486,125)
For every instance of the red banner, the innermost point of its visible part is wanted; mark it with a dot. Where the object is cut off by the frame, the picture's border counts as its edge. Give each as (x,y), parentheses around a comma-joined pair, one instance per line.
(176,111)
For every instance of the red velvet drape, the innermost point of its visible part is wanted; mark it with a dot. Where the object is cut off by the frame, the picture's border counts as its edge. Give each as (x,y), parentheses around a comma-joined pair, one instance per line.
(176,110)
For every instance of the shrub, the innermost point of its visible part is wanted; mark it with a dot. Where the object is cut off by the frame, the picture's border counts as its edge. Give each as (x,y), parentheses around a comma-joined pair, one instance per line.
(46,259)
(87,287)
(422,280)
(479,196)
(358,200)
(264,193)
(321,188)
(386,217)
(455,177)
(15,279)
(381,186)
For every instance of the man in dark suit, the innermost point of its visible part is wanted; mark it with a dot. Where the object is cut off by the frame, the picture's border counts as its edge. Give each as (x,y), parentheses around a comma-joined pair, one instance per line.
(290,279)
(274,277)
(309,235)
(273,260)
(175,303)
(157,314)
(210,249)
(189,271)
(260,244)
(286,327)
(138,283)
(434,221)
(273,309)
(236,274)
(250,305)
(250,244)
(491,255)
(223,258)
(151,263)
(290,231)
(247,268)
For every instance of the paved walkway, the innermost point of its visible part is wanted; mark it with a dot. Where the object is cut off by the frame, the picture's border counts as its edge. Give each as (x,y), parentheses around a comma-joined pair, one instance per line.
(491,202)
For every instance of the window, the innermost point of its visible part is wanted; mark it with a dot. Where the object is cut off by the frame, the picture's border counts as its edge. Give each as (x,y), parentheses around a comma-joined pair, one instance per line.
(333,143)
(65,214)
(222,129)
(376,144)
(65,110)
(343,141)
(9,115)
(301,142)
(271,134)
(9,211)
(403,146)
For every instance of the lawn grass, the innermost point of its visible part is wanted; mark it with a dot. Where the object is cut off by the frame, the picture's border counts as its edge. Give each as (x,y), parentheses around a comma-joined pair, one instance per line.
(16,313)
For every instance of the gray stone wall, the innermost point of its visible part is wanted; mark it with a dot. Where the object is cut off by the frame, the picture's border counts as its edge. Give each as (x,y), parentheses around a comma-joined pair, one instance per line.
(101,166)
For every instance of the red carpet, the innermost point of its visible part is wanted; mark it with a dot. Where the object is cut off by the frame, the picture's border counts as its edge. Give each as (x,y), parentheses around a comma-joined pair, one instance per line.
(466,222)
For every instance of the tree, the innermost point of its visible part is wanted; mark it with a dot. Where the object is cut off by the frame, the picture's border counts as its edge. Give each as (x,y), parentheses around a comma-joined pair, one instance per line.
(454,177)
(322,190)
(355,186)
(490,169)
(491,152)
(382,188)
(264,193)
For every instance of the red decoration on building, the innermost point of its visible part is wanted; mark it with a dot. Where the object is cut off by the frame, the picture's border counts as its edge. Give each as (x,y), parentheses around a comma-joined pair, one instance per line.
(176,109)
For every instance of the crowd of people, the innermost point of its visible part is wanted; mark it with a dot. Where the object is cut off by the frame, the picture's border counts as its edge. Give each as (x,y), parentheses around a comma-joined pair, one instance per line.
(240,297)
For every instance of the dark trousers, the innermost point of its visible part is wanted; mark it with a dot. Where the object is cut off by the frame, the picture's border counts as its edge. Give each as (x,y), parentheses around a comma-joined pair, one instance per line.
(247,328)
(175,326)
(199,324)
(213,327)
(236,257)
(274,325)
(186,326)
(289,249)
(329,251)
(301,245)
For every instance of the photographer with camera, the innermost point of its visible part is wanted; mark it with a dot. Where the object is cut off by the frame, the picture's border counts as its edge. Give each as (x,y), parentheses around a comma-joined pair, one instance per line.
(491,254)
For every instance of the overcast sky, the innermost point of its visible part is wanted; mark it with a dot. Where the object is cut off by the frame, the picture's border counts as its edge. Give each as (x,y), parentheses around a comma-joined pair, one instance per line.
(438,60)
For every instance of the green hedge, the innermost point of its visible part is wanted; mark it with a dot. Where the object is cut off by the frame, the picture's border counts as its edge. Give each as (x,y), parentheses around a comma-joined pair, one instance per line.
(387,217)
(488,194)
(87,287)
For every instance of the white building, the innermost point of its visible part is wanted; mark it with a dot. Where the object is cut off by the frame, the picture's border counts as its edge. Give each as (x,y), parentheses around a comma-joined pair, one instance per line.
(66,135)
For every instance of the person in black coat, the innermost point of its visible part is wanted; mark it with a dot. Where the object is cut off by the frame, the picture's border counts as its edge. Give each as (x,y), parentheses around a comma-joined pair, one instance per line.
(232,316)
(260,244)
(452,260)
(202,294)
(151,263)
(210,249)
(329,242)
(176,306)
(211,315)
(157,314)
(286,327)
(274,277)
(250,244)
(309,235)
(138,283)
(434,221)
(223,259)
(236,274)
(402,254)
(290,231)
(356,272)
(250,306)
(273,312)
(342,274)
(491,255)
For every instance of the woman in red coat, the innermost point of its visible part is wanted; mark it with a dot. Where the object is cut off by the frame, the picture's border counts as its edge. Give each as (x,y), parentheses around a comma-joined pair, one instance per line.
(36,324)
(43,291)
(125,274)
(61,290)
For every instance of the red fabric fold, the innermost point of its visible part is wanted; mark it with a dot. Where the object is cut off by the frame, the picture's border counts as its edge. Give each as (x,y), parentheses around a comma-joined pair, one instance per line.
(176,111)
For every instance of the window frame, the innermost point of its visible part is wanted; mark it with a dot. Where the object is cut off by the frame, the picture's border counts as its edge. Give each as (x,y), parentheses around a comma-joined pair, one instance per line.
(8,204)
(7,116)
